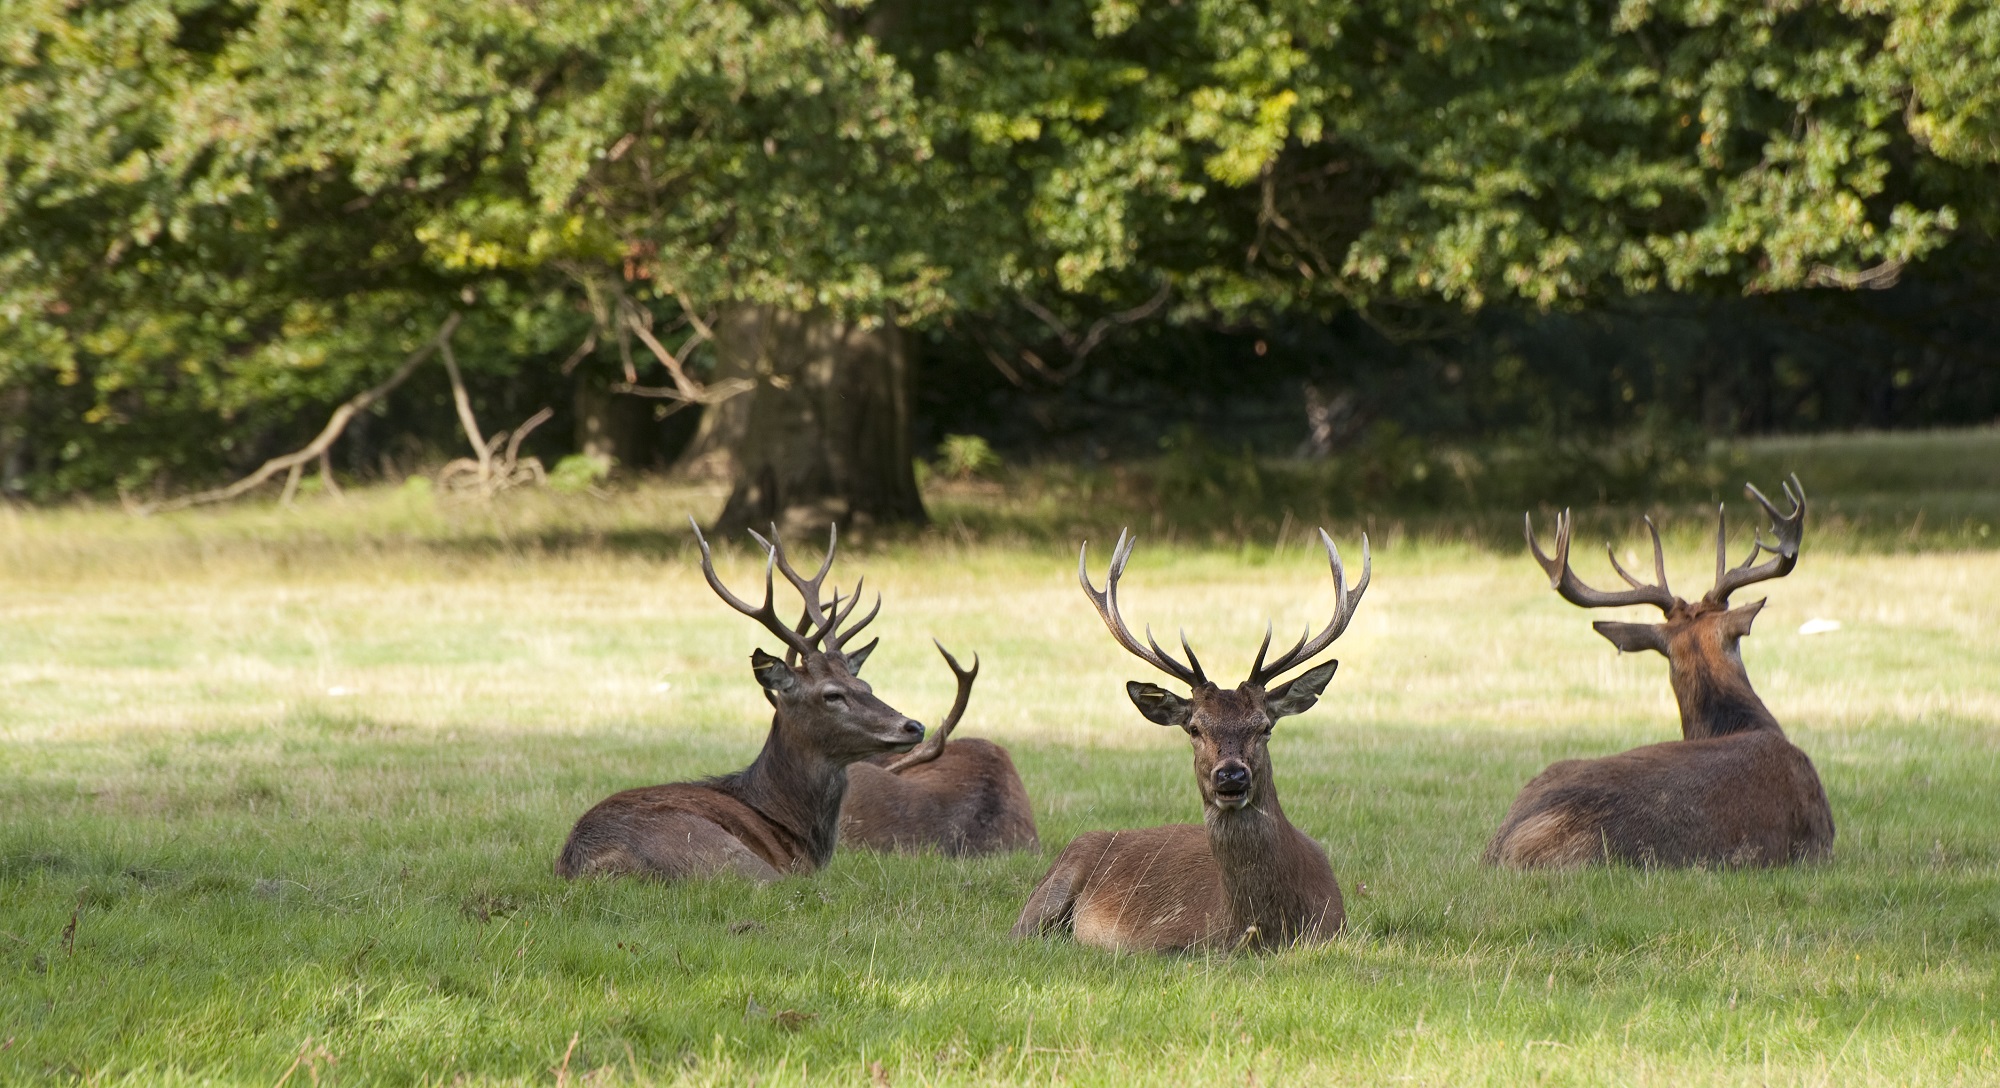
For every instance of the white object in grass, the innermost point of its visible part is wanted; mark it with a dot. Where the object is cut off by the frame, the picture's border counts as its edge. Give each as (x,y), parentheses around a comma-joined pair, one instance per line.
(1818,626)
(337,691)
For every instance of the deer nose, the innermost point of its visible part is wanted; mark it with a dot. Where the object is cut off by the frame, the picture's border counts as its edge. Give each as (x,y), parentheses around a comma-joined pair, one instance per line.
(913,729)
(1232,778)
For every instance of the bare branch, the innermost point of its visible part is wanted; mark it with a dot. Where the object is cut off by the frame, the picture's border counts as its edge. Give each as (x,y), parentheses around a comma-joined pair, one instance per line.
(1879,278)
(336,425)
(1080,347)
(582,352)
(685,388)
(463,402)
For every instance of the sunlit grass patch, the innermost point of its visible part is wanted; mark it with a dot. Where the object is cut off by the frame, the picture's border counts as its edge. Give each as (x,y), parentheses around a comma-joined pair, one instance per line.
(299,782)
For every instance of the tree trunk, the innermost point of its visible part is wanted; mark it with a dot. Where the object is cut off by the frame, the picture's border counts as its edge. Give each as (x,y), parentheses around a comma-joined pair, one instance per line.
(823,437)
(608,425)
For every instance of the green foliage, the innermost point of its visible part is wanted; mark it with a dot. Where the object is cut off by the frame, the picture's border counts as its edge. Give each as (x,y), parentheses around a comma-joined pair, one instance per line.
(219,217)
(963,456)
(579,472)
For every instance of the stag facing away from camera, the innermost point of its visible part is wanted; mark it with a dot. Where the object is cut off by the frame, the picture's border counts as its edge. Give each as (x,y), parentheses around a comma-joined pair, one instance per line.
(1245,877)
(780,815)
(960,799)
(1733,790)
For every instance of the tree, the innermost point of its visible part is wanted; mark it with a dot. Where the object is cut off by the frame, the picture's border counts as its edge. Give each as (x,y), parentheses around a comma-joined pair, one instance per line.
(236,214)
(283,198)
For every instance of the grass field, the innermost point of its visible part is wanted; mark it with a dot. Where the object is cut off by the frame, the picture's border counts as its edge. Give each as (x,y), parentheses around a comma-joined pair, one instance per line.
(280,789)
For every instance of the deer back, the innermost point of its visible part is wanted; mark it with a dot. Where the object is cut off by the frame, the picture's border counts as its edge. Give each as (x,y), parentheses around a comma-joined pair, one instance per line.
(1734,790)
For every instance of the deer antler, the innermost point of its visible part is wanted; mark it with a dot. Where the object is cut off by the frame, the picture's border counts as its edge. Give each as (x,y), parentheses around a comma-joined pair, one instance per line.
(824,618)
(1345,602)
(1107,609)
(1788,531)
(1565,582)
(932,746)
(767,613)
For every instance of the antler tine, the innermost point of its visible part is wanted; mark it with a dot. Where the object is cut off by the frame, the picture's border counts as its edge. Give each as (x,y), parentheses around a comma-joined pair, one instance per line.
(765,614)
(1659,559)
(1572,589)
(1787,531)
(1106,603)
(801,627)
(854,601)
(825,631)
(933,745)
(1721,542)
(1346,601)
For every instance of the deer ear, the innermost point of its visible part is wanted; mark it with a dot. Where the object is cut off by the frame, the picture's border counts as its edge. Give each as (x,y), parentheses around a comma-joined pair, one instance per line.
(1630,638)
(773,673)
(1160,706)
(1297,695)
(1736,622)
(856,658)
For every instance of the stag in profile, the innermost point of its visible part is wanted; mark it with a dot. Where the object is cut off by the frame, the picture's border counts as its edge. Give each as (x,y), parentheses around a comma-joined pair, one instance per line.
(780,815)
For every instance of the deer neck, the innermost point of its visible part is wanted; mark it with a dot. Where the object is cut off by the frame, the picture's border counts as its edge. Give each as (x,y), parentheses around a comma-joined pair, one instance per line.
(1262,858)
(798,790)
(1716,698)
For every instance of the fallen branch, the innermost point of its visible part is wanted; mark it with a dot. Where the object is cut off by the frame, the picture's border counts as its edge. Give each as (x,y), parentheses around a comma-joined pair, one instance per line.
(487,476)
(292,464)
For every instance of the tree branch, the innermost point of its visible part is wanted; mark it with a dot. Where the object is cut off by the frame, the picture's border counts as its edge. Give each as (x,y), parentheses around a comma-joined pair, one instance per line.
(336,424)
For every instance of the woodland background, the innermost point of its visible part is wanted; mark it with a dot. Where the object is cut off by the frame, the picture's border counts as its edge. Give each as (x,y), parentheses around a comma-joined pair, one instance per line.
(797,247)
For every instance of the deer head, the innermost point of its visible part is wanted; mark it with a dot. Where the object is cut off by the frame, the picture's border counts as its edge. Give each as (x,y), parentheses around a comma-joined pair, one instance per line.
(1699,639)
(1229,728)
(822,704)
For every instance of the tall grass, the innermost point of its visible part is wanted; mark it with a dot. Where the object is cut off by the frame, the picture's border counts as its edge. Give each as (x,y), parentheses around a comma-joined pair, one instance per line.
(280,789)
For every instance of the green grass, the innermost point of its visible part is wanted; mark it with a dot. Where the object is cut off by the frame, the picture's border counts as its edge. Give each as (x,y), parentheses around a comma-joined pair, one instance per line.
(298,777)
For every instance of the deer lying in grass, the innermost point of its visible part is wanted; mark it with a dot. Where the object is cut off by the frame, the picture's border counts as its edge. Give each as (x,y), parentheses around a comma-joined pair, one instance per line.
(1246,879)
(1734,791)
(960,800)
(781,814)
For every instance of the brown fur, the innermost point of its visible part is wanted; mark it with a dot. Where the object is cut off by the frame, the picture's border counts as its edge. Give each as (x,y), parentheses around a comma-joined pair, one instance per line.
(1246,878)
(778,816)
(967,801)
(781,814)
(1733,791)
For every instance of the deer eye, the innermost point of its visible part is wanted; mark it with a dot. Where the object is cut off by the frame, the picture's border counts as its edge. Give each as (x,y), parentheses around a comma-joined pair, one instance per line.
(833,697)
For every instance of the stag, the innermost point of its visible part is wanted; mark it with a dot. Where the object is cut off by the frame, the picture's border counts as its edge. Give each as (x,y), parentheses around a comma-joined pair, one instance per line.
(1733,791)
(961,800)
(780,815)
(1247,877)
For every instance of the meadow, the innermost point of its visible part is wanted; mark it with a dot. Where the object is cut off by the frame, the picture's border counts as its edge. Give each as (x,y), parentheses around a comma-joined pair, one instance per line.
(280,789)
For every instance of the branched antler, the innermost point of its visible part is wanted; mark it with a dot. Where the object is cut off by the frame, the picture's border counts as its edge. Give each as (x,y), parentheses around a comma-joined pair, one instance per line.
(1344,605)
(766,613)
(1261,673)
(1565,582)
(932,746)
(1787,530)
(1107,610)
(822,620)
